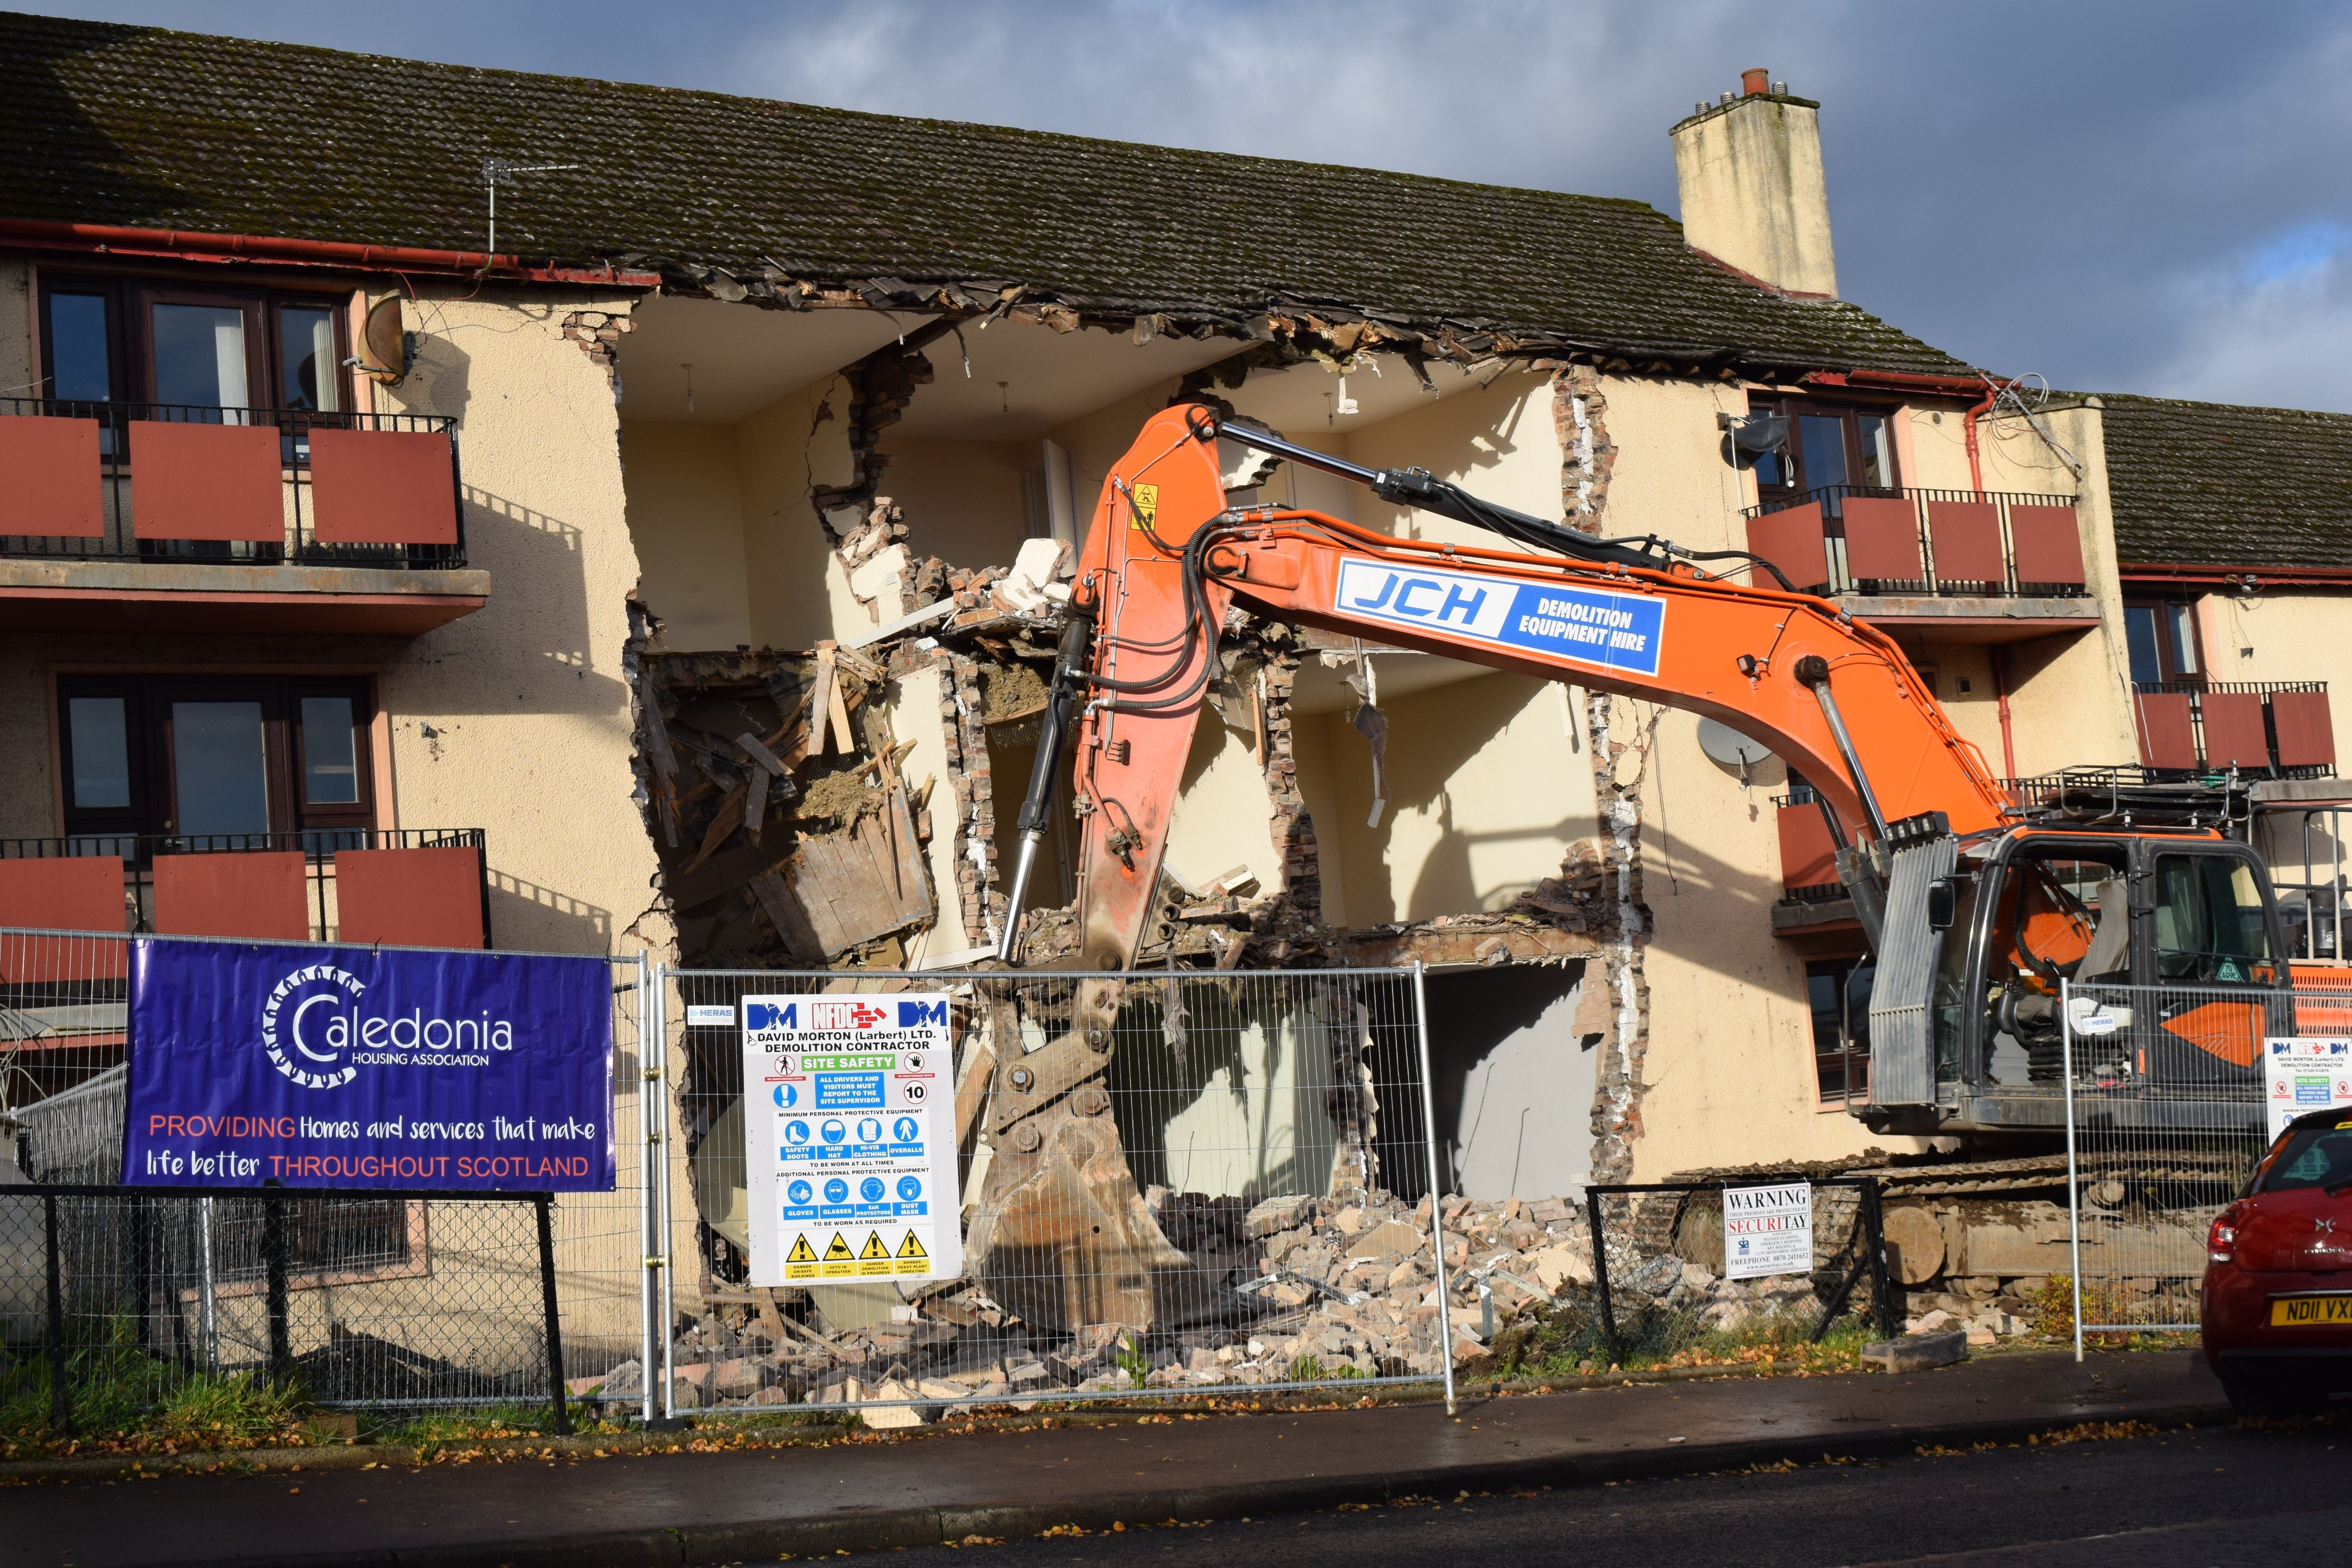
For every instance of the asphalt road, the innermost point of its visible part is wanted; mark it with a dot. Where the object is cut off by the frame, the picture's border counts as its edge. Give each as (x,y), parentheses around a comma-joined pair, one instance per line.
(2183,1498)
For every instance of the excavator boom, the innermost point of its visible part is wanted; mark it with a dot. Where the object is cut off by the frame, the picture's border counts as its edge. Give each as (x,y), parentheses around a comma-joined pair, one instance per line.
(1166,558)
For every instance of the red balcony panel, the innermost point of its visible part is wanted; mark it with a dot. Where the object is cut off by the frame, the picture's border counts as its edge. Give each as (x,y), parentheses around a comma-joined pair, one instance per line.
(2167,737)
(410,898)
(1966,539)
(1791,540)
(49,478)
(245,893)
(382,486)
(2046,545)
(1808,856)
(77,892)
(2233,731)
(2306,732)
(206,482)
(1882,538)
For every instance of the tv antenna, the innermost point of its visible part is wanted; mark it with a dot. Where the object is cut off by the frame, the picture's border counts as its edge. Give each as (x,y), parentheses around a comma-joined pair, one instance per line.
(495,170)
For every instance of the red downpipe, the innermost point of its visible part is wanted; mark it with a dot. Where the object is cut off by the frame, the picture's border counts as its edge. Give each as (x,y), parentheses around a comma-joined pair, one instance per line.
(181,245)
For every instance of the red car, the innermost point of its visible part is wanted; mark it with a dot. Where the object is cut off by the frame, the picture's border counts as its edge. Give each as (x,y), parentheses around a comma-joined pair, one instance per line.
(2277,1305)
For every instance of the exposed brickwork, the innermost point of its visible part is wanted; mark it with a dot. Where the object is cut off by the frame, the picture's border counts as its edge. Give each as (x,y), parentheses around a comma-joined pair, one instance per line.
(598,333)
(1293,827)
(1587,456)
(880,386)
(961,714)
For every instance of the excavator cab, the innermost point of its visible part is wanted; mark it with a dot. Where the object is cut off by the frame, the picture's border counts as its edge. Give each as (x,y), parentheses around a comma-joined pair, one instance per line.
(2024,914)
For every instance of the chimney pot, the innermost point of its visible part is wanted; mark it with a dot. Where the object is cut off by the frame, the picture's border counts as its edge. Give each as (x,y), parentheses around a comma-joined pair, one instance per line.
(1780,89)
(1753,80)
(1725,98)
(1699,108)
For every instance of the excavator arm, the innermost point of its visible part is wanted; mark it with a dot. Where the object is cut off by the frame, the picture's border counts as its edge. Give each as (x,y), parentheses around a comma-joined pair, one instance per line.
(1166,558)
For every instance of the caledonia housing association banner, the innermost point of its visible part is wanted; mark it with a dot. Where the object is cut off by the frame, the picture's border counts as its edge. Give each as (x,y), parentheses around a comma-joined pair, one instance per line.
(363,1067)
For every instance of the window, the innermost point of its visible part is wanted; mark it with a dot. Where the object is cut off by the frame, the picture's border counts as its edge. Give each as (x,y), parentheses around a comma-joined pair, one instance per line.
(1828,447)
(1841,1064)
(118,340)
(2161,637)
(328,1241)
(2211,927)
(224,762)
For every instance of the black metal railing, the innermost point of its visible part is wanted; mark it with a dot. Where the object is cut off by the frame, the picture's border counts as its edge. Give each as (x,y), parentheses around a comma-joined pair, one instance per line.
(1931,582)
(2181,731)
(300,544)
(139,852)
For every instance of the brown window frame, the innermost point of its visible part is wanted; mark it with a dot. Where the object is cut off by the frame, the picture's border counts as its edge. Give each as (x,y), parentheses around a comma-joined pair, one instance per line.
(2167,653)
(130,351)
(148,700)
(1792,455)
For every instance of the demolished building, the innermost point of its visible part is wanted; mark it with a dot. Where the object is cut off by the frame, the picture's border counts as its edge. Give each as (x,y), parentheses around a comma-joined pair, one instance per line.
(779,425)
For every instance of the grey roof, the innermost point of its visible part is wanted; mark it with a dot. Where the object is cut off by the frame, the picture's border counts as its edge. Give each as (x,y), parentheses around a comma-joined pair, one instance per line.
(2217,484)
(150,128)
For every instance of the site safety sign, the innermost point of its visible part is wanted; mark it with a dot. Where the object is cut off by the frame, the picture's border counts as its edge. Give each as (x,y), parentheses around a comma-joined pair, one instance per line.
(2305,1074)
(1768,1230)
(849,1127)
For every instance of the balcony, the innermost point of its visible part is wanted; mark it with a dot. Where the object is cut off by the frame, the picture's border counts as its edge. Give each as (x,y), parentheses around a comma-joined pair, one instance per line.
(419,887)
(173,518)
(2260,729)
(1952,566)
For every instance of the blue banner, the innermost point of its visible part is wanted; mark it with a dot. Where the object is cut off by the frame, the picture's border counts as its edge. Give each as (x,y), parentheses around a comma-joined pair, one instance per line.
(363,1067)
(1594,626)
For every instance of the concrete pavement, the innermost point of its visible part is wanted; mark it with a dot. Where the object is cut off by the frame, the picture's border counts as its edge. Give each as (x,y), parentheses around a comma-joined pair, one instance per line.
(686,1508)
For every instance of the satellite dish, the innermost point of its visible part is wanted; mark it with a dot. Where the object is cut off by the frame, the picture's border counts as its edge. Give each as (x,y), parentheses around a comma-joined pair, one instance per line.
(387,357)
(1727,745)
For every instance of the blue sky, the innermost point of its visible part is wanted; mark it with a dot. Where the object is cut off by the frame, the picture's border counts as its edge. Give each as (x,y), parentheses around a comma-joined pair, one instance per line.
(2149,197)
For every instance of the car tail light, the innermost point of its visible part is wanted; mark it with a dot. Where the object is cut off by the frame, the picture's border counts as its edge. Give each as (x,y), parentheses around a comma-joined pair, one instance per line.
(2221,1241)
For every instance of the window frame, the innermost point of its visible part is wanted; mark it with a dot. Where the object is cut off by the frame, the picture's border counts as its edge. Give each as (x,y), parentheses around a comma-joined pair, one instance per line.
(2174,619)
(1849,417)
(149,699)
(131,349)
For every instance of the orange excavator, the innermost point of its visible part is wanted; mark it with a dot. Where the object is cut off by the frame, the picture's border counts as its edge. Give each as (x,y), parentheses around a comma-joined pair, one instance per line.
(1976,905)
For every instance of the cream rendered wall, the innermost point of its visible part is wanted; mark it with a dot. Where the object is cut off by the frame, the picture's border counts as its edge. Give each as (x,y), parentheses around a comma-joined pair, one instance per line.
(1497,441)
(799,594)
(1485,798)
(964,499)
(686,513)
(1222,817)
(518,718)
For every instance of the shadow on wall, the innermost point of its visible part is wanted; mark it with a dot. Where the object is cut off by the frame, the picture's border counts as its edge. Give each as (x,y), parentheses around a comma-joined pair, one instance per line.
(1511,1081)
(1242,1112)
(527,916)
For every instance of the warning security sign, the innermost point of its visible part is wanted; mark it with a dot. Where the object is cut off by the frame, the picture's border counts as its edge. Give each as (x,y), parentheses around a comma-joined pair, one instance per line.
(848,1124)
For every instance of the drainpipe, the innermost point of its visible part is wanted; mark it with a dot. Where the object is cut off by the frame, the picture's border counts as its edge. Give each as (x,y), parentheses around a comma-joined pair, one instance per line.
(2001,703)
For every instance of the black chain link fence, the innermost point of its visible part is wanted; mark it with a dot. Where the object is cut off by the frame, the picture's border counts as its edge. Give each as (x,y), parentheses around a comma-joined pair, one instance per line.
(114,1303)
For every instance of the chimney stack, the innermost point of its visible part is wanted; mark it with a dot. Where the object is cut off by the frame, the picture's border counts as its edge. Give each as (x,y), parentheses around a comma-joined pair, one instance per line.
(1753,195)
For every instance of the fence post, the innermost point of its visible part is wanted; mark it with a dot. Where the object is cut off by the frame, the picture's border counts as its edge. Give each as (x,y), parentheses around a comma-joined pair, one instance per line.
(60,1410)
(648,1295)
(658,1151)
(1601,1273)
(544,1203)
(1437,1185)
(273,1262)
(1882,1282)
(208,1317)
(2073,1180)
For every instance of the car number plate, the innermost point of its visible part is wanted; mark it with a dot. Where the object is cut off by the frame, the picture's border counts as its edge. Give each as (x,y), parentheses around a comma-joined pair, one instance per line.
(2308,1311)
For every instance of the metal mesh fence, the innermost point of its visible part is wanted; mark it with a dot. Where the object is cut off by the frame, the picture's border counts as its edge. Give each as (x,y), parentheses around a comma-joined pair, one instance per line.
(1168,1182)
(2170,1100)
(120,1296)
(1660,1286)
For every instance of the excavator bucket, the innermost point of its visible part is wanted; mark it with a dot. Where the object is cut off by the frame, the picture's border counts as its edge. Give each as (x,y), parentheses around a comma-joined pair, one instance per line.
(1062,1237)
